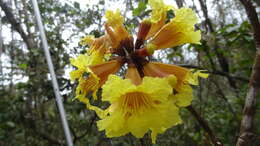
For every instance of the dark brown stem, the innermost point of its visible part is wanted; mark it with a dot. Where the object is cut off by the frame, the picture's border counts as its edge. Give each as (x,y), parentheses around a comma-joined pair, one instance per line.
(246,135)
(205,126)
(217,72)
(222,59)
(88,130)
(16,25)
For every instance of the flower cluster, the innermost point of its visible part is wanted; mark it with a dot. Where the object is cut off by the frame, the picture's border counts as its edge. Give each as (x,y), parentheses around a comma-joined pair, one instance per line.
(150,94)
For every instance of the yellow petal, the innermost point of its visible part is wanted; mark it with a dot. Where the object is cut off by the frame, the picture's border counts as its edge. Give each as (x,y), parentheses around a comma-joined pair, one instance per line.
(100,112)
(81,63)
(159,10)
(158,16)
(156,69)
(103,70)
(183,97)
(133,74)
(192,78)
(87,85)
(115,87)
(100,45)
(145,105)
(114,125)
(114,19)
(87,40)
(158,88)
(115,28)
(185,15)
(166,118)
(179,31)
(75,74)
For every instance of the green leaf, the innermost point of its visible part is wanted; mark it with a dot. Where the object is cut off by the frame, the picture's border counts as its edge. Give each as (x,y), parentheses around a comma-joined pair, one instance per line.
(141,7)
(23,66)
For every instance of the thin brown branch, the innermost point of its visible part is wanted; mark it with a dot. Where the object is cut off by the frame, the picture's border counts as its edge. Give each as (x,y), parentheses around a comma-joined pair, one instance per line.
(246,135)
(204,9)
(88,130)
(16,25)
(205,126)
(223,97)
(50,139)
(217,72)
(222,59)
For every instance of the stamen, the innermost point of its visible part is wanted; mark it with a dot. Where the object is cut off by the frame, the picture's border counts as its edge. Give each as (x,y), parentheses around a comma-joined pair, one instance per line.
(135,102)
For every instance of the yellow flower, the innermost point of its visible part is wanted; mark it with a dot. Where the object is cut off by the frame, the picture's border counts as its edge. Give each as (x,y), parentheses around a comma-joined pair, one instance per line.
(115,28)
(100,112)
(182,91)
(87,84)
(178,31)
(114,19)
(87,40)
(95,55)
(193,78)
(156,69)
(149,96)
(98,75)
(158,16)
(183,97)
(99,45)
(102,71)
(81,63)
(136,109)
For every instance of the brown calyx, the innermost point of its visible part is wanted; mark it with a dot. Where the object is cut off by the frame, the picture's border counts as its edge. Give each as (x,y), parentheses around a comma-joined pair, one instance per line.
(131,52)
(144,29)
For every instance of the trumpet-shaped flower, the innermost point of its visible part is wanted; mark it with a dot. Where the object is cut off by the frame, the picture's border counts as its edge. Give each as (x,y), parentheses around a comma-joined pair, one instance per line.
(183,92)
(178,31)
(82,62)
(98,75)
(156,69)
(87,40)
(94,55)
(158,16)
(183,97)
(115,28)
(151,93)
(193,79)
(136,109)
(98,46)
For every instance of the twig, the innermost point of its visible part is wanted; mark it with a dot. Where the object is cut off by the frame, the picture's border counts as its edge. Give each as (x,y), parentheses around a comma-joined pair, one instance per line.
(16,25)
(76,138)
(246,134)
(217,72)
(205,126)
(222,59)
